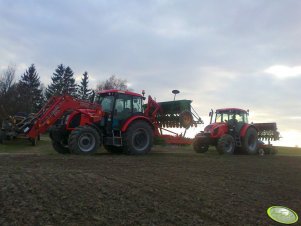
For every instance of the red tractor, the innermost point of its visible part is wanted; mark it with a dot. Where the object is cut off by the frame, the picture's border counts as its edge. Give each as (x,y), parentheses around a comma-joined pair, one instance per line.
(118,120)
(229,131)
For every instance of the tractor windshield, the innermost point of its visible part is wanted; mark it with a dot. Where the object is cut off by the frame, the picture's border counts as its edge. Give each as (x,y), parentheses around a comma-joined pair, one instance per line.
(228,116)
(106,102)
(122,104)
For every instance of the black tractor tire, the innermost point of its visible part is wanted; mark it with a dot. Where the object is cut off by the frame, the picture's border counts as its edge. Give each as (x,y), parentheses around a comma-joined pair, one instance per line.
(138,138)
(226,145)
(58,134)
(113,149)
(186,119)
(199,146)
(84,140)
(60,148)
(250,142)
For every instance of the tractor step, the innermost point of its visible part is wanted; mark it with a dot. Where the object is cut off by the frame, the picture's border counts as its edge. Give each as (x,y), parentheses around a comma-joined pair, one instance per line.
(237,140)
(117,138)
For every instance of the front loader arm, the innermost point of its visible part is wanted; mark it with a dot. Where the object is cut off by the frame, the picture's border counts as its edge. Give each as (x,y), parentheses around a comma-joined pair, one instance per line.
(55,109)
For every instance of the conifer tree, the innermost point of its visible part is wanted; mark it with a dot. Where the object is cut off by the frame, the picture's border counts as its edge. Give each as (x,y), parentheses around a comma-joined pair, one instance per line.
(62,82)
(83,91)
(30,86)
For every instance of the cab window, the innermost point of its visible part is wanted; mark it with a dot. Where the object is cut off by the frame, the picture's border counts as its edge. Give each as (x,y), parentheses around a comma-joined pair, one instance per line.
(137,104)
(123,106)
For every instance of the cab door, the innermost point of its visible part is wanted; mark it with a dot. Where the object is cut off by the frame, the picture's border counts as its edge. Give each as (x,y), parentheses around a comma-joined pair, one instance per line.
(123,109)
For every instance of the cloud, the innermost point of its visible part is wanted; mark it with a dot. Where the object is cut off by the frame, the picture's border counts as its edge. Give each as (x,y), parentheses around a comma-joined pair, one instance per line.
(216,53)
(284,72)
(289,138)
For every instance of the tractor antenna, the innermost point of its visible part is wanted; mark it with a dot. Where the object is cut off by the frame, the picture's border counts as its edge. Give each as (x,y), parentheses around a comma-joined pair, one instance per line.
(175,92)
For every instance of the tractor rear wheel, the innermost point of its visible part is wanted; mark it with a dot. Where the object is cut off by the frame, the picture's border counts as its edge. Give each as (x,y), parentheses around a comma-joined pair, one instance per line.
(138,138)
(84,140)
(199,146)
(226,145)
(60,148)
(250,142)
(113,149)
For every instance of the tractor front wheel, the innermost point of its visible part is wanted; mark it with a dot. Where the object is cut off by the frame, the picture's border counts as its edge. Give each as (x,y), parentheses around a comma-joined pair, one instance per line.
(60,148)
(138,138)
(199,146)
(250,142)
(226,145)
(84,140)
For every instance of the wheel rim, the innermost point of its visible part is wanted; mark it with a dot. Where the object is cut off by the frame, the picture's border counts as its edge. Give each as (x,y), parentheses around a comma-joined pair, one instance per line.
(228,146)
(140,140)
(252,143)
(86,142)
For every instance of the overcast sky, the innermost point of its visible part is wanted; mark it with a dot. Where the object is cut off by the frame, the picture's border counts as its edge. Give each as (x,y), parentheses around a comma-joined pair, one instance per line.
(229,53)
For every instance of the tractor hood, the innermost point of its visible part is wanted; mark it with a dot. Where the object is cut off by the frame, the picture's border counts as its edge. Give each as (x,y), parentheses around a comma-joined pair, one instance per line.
(215,129)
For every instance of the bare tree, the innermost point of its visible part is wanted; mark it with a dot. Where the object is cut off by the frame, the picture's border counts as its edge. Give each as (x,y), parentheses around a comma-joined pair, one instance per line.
(7,79)
(112,83)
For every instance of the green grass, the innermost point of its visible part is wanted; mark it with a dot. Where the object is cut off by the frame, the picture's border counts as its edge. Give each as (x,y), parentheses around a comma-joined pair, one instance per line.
(289,151)
(23,146)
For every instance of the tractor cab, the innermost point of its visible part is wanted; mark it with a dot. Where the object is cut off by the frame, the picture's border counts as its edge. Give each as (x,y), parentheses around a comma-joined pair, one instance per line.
(226,120)
(234,118)
(119,106)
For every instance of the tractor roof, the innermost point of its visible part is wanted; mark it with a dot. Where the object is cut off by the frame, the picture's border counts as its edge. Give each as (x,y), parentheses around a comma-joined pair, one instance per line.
(230,110)
(120,91)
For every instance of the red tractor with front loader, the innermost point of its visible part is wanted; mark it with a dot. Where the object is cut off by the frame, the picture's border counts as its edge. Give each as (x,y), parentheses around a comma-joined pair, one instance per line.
(230,132)
(118,120)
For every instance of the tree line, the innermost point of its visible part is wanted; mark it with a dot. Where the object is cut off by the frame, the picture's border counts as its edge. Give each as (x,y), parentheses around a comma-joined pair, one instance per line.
(28,94)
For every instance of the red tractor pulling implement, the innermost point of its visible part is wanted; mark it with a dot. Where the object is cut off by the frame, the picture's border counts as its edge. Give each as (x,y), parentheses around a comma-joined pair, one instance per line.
(229,131)
(116,119)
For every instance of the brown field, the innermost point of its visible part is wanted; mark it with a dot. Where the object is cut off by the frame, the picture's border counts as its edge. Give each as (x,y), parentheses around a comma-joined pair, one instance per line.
(169,186)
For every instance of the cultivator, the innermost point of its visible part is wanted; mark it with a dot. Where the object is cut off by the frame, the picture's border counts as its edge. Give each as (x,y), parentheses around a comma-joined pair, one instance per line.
(177,114)
(172,114)
(267,131)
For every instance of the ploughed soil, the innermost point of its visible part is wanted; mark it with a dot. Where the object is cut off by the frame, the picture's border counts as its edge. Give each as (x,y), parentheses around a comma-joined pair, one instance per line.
(169,186)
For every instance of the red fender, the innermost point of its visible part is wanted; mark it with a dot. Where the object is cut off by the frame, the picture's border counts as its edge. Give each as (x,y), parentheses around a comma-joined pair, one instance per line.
(130,120)
(244,129)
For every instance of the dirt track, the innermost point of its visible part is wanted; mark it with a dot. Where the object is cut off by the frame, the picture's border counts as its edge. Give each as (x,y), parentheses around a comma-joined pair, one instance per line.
(173,188)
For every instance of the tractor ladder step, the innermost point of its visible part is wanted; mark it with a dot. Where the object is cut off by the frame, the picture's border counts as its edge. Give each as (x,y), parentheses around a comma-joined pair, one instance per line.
(117,138)
(237,140)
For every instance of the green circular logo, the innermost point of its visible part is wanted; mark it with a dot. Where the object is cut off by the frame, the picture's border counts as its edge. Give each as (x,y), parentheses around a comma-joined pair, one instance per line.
(282,214)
